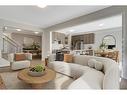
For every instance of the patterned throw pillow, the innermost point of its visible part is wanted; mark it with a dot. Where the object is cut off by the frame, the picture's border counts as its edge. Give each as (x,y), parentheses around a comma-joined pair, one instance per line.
(20,57)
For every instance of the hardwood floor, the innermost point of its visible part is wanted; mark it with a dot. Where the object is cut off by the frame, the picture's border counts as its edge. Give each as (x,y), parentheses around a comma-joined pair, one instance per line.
(36,61)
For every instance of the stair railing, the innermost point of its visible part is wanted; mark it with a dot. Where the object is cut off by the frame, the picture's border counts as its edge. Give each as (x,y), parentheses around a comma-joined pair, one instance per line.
(10,46)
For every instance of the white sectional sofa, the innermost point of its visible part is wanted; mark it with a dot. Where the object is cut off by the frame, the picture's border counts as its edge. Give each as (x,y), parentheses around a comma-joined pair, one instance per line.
(85,76)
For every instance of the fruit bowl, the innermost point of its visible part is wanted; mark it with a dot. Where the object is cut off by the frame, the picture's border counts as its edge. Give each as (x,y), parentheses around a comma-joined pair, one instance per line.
(37,71)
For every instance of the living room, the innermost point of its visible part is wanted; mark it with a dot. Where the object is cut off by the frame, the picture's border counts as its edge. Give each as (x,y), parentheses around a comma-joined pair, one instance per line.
(89,34)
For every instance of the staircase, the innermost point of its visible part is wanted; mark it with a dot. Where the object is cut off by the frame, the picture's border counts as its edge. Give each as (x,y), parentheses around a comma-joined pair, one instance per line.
(9,46)
(3,62)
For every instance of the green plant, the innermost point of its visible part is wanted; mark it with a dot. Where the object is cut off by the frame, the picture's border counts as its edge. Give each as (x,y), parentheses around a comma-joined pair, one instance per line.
(103,45)
(35,45)
(38,68)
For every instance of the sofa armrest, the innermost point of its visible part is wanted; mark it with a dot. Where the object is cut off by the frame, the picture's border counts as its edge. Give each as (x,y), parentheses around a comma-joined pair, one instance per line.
(28,56)
(51,57)
(11,57)
(111,78)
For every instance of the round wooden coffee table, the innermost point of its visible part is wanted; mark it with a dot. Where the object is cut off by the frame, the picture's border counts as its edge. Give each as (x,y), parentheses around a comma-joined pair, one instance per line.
(36,82)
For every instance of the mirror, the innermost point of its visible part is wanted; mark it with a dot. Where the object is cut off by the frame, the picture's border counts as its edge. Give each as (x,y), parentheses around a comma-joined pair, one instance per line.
(110,41)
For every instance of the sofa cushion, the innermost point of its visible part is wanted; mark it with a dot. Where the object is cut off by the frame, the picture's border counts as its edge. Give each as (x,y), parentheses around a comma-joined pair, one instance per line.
(68,58)
(92,79)
(71,69)
(81,60)
(60,66)
(20,65)
(20,57)
(79,84)
(78,70)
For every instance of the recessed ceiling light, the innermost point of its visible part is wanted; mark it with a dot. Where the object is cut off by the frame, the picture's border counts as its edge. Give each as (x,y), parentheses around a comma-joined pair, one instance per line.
(42,5)
(71,30)
(102,24)
(36,32)
(18,29)
(5,28)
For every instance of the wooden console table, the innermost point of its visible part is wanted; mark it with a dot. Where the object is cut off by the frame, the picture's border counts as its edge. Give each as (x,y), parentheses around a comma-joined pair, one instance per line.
(112,54)
(32,51)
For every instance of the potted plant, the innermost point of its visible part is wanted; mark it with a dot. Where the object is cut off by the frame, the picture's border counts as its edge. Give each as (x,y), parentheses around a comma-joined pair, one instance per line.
(35,46)
(103,46)
(37,71)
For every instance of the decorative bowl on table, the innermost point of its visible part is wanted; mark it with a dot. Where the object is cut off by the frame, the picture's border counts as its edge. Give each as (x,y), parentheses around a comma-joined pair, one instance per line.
(37,71)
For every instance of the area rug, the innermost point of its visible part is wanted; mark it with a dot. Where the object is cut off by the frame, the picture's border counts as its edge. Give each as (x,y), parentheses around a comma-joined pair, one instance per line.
(12,82)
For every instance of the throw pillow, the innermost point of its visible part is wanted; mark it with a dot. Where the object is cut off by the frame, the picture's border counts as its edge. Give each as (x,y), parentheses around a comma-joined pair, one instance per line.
(68,58)
(91,63)
(20,57)
(95,64)
(98,65)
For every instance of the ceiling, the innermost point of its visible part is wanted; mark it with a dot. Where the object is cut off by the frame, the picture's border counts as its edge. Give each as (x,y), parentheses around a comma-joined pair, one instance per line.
(106,23)
(9,29)
(45,17)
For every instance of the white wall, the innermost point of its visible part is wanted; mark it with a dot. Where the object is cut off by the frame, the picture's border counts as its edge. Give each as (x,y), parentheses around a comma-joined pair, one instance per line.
(46,44)
(117,33)
(124,64)
(1,41)
(19,38)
